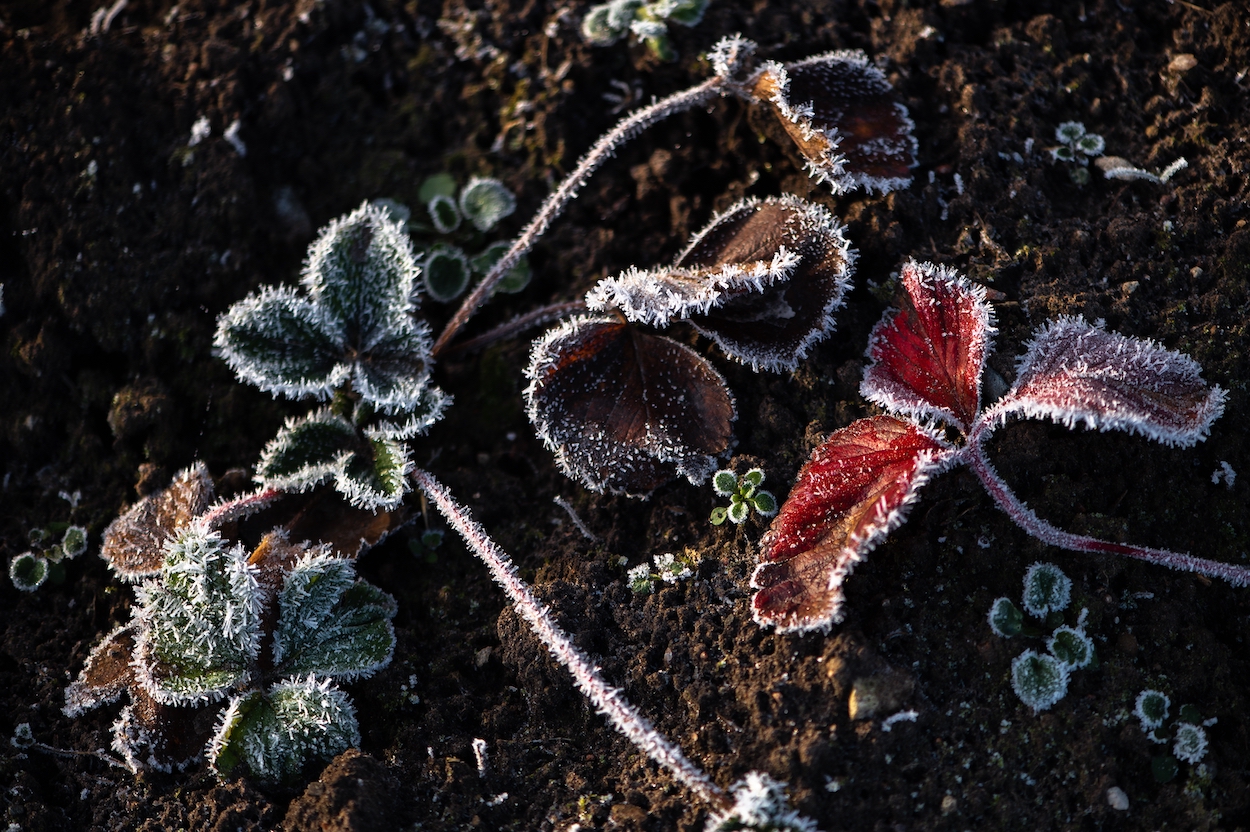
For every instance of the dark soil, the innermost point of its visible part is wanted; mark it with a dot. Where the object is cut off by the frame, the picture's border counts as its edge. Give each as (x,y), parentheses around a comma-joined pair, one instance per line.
(120,244)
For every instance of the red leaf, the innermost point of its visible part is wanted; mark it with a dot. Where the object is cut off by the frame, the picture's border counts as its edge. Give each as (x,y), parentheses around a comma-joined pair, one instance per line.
(1075,371)
(762,280)
(626,411)
(856,487)
(927,356)
(840,111)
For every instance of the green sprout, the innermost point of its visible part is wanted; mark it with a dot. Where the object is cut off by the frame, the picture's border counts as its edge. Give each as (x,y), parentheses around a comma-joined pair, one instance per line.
(1077,147)
(669,568)
(44,563)
(744,494)
(1187,734)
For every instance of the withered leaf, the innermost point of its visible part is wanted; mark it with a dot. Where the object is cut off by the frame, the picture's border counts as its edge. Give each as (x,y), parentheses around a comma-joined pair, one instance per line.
(134,543)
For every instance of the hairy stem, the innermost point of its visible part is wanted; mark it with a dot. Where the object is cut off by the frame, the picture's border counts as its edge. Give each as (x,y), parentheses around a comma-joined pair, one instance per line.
(609,701)
(604,149)
(1025,518)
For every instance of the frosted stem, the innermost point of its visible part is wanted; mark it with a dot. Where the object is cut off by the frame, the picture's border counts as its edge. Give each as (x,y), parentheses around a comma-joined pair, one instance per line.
(604,149)
(608,700)
(519,324)
(1025,518)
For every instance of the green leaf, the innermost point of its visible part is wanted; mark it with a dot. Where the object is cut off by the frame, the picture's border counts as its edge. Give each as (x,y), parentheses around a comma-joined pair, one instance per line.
(754,477)
(440,184)
(686,12)
(738,512)
(446,273)
(330,623)
(765,503)
(307,451)
(725,482)
(517,278)
(1072,647)
(282,343)
(1006,619)
(485,201)
(395,376)
(378,479)
(719,515)
(246,716)
(444,213)
(28,571)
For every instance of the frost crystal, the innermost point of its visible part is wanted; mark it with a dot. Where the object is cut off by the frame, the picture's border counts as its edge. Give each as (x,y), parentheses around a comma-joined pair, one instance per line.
(1039,680)
(760,804)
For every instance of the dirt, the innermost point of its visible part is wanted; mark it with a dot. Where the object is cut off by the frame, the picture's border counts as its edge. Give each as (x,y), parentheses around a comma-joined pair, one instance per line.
(120,243)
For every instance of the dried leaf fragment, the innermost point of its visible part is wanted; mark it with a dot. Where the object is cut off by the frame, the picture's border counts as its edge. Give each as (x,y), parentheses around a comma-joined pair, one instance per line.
(134,543)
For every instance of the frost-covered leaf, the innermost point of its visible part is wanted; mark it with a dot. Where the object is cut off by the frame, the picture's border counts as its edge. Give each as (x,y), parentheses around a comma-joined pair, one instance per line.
(856,487)
(841,113)
(283,343)
(306,451)
(330,623)
(377,477)
(928,355)
(1077,372)
(760,804)
(626,411)
(1046,590)
(28,571)
(272,736)
(134,543)
(394,375)
(446,273)
(762,280)
(199,623)
(1040,680)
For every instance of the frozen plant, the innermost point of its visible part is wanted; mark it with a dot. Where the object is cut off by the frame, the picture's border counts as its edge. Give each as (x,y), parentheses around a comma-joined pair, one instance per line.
(744,494)
(266,630)
(669,568)
(1005,618)
(1039,679)
(1115,167)
(607,23)
(927,359)
(1187,734)
(837,108)
(350,336)
(1077,146)
(756,803)
(45,562)
(625,410)
(1190,745)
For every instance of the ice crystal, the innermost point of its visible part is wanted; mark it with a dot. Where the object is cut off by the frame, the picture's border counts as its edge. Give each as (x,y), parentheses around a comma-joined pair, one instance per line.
(927,362)
(760,804)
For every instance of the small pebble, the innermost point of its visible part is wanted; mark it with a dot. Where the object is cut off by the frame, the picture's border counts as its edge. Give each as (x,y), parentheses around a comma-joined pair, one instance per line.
(1117,799)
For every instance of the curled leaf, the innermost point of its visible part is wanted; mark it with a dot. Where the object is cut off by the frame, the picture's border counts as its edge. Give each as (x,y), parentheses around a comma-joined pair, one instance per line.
(840,111)
(856,487)
(928,355)
(762,280)
(625,411)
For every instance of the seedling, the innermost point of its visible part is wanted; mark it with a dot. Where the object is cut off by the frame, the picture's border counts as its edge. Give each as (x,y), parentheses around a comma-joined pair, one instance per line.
(1077,147)
(927,361)
(1188,734)
(607,23)
(837,107)
(744,494)
(45,562)
(669,568)
(626,411)
(1040,680)
(267,631)
(352,337)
